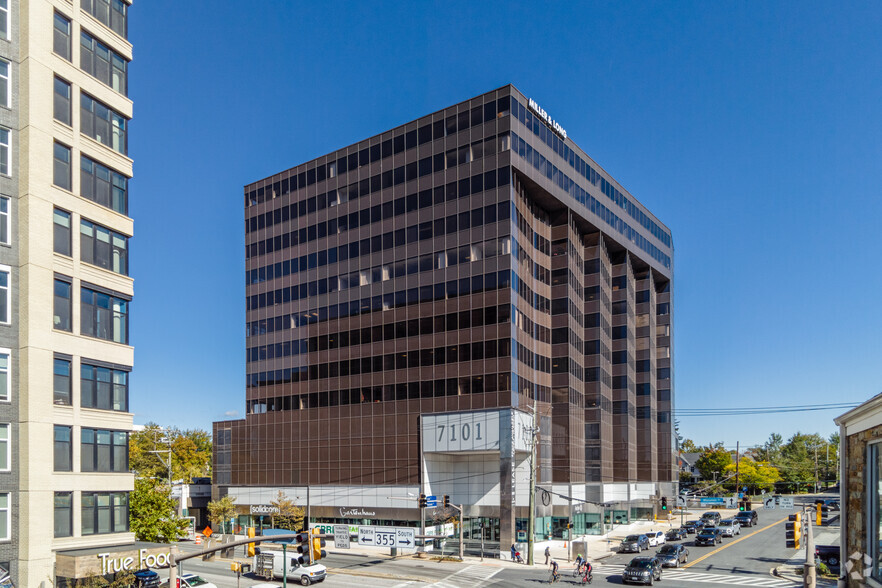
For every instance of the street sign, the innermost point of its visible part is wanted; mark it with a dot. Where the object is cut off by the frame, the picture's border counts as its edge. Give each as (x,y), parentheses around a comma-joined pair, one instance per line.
(712,500)
(681,501)
(769,503)
(731,502)
(522,536)
(387,536)
(740,495)
(341,536)
(744,489)
(431,501)
(785,503)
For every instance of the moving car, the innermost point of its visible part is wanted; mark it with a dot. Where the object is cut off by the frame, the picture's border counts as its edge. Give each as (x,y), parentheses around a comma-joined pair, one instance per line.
(729,527)
(642,570)
(268,564)
(709,536)
(693,527)
(676,534)
(747,518)
(830,503)
(656,538)
(711,517)
(192,581)
(146,579)
(634,543)
(671,556)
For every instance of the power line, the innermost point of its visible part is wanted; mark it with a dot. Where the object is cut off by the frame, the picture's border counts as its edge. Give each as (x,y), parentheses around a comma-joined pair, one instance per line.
(760,410)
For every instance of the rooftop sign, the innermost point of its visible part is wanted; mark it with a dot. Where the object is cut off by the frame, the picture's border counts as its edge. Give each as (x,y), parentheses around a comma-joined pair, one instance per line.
(553,124)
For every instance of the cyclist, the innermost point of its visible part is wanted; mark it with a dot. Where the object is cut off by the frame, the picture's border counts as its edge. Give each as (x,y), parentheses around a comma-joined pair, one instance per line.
(587,576)
(555,574)
(579,561)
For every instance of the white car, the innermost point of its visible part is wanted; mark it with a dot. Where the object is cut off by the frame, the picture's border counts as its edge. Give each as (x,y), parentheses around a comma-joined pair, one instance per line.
(729,527)
(656,538)
(192,581)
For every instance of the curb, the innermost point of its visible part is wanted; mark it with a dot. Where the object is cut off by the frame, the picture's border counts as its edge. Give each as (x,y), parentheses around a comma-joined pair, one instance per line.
(786,572)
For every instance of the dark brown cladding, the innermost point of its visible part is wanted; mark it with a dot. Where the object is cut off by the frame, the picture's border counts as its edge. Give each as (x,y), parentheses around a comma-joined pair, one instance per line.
(433,269)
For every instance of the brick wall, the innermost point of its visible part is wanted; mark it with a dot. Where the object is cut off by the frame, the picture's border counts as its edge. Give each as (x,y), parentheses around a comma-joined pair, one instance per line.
(856,533)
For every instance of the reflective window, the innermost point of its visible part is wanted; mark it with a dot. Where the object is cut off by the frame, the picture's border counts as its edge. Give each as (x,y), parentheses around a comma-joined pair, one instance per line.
(61,166)
(104,512)
(5,379)
(5,294)
(63,449)
(4,19)
(5,152)
(63,514)
(111,13)
(5,518)
(61,231)
(61,104)
(103,185)
(61,382)
(5,226)
(61,36)
(103,124)
(5,86)
(104,316)
(102,247)
(62,306)
(5,448)
(104,388)
(102,62)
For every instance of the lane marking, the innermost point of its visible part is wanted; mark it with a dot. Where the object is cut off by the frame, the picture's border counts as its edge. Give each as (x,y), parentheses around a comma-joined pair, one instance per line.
(731,543)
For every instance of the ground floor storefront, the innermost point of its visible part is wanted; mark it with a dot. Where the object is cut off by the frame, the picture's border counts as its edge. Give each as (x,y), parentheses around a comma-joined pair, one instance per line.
(79,565)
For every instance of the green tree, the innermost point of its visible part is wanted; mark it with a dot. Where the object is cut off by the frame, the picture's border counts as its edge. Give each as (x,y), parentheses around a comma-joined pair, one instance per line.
(689,446)
(190,453)
(713,461)
(290,515)
(756,475)
(220,511)
(152,513)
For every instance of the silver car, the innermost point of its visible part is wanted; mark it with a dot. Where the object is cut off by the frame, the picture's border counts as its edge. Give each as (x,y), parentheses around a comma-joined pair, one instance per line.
(729,527)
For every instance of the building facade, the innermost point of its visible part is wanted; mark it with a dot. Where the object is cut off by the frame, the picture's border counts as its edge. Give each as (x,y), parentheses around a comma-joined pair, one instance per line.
(65,285)
(413,297)
(860,492)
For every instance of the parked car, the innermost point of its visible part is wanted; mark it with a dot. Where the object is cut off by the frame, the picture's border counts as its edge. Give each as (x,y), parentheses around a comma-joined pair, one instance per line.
(671,556)
(828,554)
(634,544)
(709,536)
(192,581)
(642,570)
(729,527)
(146,579)
(711,517)
(656,538)
(676,534)
(693,527)
(747,518)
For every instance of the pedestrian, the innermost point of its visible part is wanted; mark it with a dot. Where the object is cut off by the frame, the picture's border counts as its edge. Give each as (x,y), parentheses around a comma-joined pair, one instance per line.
(547,553)
(513,552)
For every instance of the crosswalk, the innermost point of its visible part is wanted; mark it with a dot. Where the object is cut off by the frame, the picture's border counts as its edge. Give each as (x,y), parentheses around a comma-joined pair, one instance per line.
(684,575)
(474,576)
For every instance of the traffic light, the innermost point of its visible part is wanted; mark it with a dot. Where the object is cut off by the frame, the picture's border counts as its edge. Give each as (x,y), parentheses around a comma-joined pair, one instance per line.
(303,541)
(446,501)
(742,506)
(317,544)
(821,515)
(249,549)
(422,501)
(664,503)
(793,532)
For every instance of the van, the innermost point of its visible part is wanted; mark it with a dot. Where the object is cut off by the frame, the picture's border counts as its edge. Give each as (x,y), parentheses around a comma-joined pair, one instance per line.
(268,564)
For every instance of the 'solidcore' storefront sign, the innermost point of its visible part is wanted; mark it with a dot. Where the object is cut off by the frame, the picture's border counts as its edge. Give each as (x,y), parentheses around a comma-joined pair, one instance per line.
(264,509)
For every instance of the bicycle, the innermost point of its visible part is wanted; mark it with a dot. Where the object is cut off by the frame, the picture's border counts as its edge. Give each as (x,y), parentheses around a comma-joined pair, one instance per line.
(555,577)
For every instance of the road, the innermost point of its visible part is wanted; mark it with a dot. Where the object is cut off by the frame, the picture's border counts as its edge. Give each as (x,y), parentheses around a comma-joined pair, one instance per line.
(745,560)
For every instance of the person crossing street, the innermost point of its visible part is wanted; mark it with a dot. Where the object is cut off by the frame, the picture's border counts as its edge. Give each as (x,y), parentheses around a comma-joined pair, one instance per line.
(547,554)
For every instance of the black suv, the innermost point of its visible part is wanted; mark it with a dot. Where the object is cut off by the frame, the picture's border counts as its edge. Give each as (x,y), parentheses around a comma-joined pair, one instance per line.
(634,543)
(711,518)
(642,570)
(747,518)
(693,526)
(709,536)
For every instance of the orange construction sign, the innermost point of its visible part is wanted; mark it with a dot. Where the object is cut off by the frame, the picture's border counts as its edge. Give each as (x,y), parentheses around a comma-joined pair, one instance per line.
(207,531)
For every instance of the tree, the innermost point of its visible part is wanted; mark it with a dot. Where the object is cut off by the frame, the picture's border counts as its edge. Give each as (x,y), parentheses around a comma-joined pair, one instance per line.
(290,515)
(190,453)
(689,446)
(220,511)
(152,513)
(713,460)
(756,475)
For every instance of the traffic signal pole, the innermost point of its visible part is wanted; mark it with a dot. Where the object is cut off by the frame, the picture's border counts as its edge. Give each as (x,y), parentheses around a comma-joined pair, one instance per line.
(809,577)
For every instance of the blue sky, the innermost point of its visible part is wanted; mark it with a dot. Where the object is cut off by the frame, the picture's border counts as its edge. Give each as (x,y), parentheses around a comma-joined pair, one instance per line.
(751,130)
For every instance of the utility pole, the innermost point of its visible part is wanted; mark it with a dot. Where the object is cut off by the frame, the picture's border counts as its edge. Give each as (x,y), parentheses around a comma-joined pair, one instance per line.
(816,469)
(809,574)
(737,464)
(531,525)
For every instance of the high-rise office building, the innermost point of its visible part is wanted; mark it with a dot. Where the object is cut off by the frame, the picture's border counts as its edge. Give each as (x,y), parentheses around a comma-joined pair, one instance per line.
(65,285)
(412,297)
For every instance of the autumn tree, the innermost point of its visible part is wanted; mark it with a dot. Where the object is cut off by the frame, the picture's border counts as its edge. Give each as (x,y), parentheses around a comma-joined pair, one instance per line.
(713,461)
(756,475)
(153,515)
(190,453)
(290,515)
(689,446)
(220,511)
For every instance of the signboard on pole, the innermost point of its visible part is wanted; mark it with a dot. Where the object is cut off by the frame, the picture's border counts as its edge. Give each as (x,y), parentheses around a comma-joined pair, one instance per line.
(785,503)
(712,501)
(681,501)
(431,501)
(769,503)
(731,502)
(395,537)
(341,536)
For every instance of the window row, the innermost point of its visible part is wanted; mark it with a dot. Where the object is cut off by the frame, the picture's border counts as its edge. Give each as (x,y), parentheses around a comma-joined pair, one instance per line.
(382,273)
(102,315)
(584,169)
(100,450)
(101,512)
(463,221)
(103,63)
(347,222)
(398,144)
(365,187)
(98,245)
(533,157)
(442,323)
(388,393)
(111,13)
(101,387)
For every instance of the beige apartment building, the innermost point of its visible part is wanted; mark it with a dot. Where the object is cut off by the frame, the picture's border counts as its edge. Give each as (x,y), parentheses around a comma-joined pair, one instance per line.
(65,286)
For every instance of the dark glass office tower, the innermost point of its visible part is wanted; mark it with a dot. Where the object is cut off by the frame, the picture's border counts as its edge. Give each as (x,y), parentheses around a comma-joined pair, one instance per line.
(410,297)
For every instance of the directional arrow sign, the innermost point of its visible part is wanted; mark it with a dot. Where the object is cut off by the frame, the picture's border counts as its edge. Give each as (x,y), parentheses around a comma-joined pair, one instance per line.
(386,536)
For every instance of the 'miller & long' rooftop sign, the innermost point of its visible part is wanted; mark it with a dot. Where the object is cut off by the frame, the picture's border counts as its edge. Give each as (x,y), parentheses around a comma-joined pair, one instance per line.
(553,124)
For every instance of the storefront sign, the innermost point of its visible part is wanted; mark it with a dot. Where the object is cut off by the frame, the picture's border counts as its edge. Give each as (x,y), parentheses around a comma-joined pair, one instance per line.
(540,112)
(111,565)
(346,513)
(264,509)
